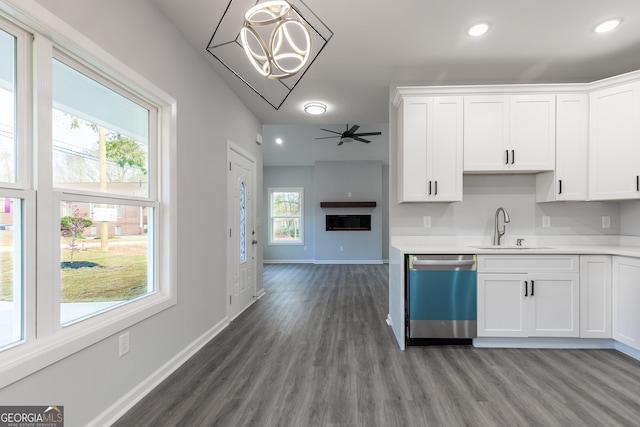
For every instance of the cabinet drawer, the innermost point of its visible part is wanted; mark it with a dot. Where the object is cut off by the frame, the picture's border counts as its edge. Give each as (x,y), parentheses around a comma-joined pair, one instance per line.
(528,263)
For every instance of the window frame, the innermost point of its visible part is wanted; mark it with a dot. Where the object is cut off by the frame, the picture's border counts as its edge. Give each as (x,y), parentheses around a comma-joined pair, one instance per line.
(45,340)
(272,217)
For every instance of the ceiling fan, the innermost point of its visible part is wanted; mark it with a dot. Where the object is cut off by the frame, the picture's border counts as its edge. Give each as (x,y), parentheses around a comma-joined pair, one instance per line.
(349,135)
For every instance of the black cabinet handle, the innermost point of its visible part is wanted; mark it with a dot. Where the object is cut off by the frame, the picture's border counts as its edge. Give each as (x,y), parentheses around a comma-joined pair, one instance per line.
(506,162)
(429,187)
(560,184)
(526,288)
(513,156)
(533,283)
(436,185)
(637,182)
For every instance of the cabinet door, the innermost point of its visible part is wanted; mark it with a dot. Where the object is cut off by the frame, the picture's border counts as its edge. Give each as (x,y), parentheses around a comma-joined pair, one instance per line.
(502,310)
(626,301)
(430,149)
(554,305)
(595,296)
(445,147)
(486,133)
(532,133)
(413,132)
(569,180)
(614,171)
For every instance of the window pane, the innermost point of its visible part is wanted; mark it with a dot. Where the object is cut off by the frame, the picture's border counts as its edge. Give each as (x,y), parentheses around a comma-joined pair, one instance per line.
(11,284)
(285,203)
(7,107)
(286,229)
(100,138)
(109,268)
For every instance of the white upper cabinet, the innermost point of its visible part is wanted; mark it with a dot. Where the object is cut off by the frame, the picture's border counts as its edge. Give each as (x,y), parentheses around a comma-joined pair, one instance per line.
(614,169)
(509,133)
(430,149)
(569,180)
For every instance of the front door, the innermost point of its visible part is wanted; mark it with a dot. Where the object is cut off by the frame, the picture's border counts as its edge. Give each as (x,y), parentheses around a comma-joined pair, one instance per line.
(241,247)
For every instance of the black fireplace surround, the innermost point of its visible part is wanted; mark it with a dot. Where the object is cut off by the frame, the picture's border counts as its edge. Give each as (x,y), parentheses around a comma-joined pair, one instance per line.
(348,222)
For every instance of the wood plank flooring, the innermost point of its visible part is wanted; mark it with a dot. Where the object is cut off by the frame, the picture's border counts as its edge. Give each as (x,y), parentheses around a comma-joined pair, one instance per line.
(316,351)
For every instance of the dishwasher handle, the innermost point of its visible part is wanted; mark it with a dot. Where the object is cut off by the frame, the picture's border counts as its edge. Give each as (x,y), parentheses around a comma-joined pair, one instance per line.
(444,263)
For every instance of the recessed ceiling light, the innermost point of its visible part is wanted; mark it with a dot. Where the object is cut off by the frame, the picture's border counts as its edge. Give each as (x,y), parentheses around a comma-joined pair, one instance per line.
(315,108)
(607,26)
(478,29)
(279,141)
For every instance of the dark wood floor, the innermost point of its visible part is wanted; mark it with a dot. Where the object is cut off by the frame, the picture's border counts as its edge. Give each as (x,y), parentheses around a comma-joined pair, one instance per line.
(316,351)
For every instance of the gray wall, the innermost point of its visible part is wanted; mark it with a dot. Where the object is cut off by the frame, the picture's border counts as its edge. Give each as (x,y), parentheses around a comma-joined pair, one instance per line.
(332,181)
(208,114)
(290,176)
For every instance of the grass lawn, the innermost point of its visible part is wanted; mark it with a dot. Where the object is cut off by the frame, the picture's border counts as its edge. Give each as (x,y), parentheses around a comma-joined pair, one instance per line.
(122,274)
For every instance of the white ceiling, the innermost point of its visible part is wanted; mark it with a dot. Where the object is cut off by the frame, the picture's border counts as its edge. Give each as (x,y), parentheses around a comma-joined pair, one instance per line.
(376,44)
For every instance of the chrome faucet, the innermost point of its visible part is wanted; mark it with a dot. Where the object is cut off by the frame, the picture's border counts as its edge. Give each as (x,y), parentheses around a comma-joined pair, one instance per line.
(497,233)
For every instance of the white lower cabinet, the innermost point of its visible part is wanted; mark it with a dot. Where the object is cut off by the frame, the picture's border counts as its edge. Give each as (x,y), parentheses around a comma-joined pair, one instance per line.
(528,296)
(595,296)
(626,300)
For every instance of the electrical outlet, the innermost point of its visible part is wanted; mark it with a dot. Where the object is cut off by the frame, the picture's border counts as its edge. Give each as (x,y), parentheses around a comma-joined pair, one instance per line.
(349,194)
(606,221)
(426,221)
(341,248)
(546,221)
(123,344)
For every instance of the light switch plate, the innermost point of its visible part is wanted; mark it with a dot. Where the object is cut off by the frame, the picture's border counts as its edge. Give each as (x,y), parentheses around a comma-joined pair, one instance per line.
(606,221)
(546,221)
(426,221)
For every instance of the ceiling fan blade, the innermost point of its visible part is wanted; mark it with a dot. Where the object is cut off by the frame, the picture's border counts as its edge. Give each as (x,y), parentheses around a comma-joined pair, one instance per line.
(328,137)
(353,128)
(366,141)
(332,131)
(341,142)
(368,134)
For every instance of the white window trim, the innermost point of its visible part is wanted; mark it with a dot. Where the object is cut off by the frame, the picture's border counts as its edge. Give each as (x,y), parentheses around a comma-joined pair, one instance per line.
(51,343)
(284,190)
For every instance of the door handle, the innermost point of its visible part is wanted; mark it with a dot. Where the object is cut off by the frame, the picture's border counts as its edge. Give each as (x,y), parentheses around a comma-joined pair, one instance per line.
(560,185)
(254,242)
(526,288)
(513,156)
(436,190)
(429,187)
(506,152)
(532,285)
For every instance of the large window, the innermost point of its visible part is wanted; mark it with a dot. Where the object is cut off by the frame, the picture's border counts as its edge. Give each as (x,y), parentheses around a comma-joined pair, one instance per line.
(101,145)
(285,216)
(85,197)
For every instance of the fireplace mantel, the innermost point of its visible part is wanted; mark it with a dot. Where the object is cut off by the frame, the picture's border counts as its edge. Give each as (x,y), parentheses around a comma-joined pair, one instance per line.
(347,204)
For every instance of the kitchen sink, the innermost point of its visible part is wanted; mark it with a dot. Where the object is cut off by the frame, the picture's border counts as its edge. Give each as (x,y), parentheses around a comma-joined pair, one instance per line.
(511,247)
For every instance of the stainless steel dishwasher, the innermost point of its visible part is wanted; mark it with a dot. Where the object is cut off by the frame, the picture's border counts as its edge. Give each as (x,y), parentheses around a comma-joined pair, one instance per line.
(441,297)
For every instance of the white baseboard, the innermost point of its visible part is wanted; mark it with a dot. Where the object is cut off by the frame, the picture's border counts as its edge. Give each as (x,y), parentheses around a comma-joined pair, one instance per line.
(288,261)
(348,261)
(126,402)
(629,351)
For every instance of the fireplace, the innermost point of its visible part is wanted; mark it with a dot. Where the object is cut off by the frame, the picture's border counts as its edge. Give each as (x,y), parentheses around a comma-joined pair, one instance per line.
(348,222)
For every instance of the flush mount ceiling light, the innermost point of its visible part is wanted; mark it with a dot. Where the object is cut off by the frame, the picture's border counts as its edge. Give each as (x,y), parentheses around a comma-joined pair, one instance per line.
(478,29)
(608,25)
(276,39)
(315,108)
(279,141)
(269,45)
